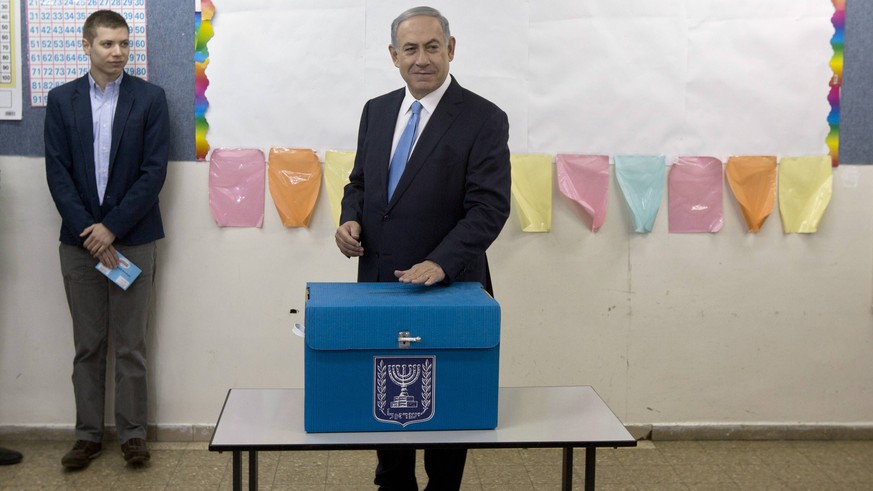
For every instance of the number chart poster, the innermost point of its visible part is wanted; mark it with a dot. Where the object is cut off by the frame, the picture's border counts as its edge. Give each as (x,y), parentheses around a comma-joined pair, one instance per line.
(10,61)
(54,35)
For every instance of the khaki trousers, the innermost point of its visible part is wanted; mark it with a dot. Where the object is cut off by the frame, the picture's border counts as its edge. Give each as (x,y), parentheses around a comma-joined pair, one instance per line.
(99,307)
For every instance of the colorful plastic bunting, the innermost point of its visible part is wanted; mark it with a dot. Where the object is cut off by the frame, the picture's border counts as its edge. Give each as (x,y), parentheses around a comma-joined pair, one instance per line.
(585,180)
(695,197)
(295,179)
(805,188)
(532,191)
(337,167)
(641,179)
(753,183)
(236,187)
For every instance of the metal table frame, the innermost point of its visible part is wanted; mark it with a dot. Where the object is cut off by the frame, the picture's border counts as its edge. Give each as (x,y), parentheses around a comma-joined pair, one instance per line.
(257,420)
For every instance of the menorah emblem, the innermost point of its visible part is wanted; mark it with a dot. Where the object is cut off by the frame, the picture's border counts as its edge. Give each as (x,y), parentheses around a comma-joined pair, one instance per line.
(403,388)
(404,376)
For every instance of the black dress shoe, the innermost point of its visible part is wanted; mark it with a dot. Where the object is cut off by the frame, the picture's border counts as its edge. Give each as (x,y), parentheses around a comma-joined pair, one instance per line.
(81,454)
(9,457)
(135,451)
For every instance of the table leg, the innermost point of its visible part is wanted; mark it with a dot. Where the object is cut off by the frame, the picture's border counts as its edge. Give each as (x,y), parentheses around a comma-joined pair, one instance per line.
(567,470)
(253,470)
(590,461)
(237,471)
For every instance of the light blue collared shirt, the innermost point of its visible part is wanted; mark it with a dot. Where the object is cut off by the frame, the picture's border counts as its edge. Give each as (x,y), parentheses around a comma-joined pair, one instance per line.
(103,105)
(429,104)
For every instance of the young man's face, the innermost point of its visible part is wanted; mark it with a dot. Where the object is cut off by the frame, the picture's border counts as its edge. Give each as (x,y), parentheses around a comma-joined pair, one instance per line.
(422,54)
(108,52)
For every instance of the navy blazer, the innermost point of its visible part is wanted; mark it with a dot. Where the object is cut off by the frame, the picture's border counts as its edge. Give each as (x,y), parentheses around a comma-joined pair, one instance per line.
(452,199)
(137,161)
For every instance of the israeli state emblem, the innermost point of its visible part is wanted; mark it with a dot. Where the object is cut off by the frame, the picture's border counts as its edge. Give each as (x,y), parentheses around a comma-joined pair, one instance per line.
(403,389)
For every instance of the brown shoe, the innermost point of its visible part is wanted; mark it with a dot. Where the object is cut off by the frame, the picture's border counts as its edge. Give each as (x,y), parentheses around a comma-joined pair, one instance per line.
(81,454)
(135,451)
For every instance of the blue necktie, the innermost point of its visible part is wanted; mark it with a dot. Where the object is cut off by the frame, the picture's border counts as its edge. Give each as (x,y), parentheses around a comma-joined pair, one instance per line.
(404,146)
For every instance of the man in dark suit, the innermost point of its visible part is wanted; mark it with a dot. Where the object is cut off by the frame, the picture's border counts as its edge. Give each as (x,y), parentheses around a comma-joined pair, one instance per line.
(106,142)
(432,221)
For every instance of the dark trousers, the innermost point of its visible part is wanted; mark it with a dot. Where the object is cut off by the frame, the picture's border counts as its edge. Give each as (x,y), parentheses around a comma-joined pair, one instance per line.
(98,307)
(396,469)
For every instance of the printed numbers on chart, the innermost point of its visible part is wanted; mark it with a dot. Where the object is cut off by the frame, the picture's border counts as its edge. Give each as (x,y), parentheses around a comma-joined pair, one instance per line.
(54,29)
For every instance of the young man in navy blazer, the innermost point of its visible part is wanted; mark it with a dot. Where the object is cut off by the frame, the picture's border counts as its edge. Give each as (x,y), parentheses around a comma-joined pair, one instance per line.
(450,202)
(106,141)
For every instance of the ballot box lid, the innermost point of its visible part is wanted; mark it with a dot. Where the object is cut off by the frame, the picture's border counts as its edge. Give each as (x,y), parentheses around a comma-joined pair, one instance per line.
(347,316)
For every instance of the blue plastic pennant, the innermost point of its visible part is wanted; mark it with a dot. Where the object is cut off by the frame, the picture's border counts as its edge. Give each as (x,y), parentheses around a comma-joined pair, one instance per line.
(641,179)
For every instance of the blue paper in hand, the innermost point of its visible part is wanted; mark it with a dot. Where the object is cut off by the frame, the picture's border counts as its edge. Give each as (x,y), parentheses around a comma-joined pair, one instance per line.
(122,275)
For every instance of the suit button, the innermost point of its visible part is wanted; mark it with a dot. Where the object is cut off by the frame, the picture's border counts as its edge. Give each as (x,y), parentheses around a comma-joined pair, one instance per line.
(385,218)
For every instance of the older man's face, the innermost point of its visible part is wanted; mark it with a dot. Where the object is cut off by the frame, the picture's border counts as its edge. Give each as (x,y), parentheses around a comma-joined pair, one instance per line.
(422,54)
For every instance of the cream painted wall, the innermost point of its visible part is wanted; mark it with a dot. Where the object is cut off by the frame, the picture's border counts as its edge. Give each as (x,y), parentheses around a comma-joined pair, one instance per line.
(730,327)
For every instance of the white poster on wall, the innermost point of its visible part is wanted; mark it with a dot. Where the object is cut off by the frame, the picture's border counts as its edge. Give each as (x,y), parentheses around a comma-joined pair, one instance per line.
(672,77)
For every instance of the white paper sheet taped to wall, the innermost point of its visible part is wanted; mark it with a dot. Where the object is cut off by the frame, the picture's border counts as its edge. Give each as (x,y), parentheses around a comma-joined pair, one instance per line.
(672,77)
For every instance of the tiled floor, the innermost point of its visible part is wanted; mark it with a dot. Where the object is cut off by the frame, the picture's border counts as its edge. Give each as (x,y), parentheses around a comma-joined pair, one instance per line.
(652,465)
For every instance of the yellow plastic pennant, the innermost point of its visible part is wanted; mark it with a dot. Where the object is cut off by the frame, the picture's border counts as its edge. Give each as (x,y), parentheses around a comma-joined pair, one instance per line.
(337,167)
(295,178)
(805,188)
(753,182)
(532,191)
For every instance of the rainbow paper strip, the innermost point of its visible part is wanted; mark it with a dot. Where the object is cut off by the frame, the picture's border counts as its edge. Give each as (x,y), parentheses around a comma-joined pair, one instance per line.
(836,83)
(202,34)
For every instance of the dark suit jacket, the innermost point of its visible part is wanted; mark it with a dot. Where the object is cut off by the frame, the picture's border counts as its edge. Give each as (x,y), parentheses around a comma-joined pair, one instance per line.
(452,199)
(137,161)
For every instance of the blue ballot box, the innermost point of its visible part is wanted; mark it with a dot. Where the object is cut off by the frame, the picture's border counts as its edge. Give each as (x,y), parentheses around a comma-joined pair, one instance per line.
(395,357)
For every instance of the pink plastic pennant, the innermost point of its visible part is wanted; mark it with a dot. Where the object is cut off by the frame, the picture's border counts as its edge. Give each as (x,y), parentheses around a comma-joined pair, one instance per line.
(585,180)
(695,195)
(236,187)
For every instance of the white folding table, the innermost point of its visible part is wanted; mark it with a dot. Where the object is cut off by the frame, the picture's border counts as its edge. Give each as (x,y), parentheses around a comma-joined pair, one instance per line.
(257,420)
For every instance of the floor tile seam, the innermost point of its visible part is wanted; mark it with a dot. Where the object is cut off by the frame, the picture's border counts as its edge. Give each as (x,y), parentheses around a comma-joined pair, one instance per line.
(500,464)
(483,484)
(802,480)
(721,471)
(529,466)
(262,477)
(679,478)
(176,467)
(468,464)
(323,478)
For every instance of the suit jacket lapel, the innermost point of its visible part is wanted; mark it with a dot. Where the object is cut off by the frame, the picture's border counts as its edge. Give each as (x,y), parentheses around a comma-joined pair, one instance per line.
(122,110)
(81,102)
(441,120)
(384,141)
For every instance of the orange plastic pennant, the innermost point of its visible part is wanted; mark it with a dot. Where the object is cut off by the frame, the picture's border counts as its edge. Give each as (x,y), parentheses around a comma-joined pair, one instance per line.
(753,183)
(295,179)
